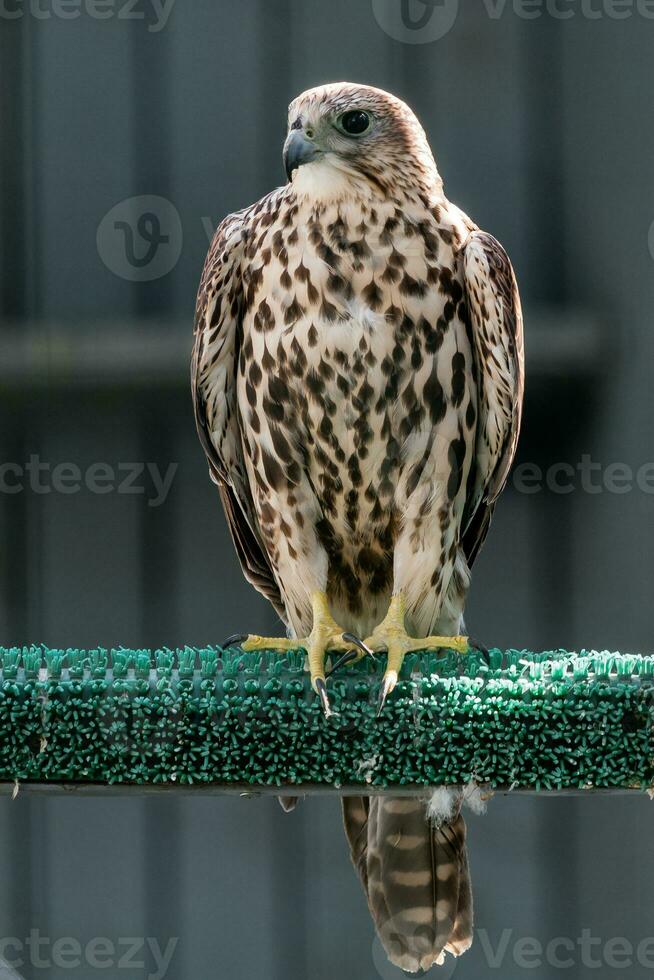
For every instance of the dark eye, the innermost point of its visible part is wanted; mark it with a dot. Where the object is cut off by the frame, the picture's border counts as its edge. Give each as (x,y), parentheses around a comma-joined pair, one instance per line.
(355,122)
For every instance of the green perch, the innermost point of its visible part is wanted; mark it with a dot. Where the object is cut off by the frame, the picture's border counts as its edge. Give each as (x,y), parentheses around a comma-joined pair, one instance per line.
(514,719)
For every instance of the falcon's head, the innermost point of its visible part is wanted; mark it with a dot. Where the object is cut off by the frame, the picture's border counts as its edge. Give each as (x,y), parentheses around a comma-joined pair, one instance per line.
(343,134)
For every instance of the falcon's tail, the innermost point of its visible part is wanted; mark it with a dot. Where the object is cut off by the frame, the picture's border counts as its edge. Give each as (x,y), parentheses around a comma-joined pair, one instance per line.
(415,876)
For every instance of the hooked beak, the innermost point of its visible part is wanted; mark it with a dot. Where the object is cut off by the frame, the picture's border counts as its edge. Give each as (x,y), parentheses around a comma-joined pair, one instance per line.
(298,149)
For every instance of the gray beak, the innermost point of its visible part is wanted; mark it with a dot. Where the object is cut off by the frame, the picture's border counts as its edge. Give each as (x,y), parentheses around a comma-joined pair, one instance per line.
(298,150)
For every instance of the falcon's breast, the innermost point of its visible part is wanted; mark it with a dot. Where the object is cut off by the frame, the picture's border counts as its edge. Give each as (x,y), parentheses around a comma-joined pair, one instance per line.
(355,381)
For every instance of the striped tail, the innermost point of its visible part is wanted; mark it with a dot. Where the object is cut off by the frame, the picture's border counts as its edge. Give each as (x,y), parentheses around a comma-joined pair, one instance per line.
(415,876)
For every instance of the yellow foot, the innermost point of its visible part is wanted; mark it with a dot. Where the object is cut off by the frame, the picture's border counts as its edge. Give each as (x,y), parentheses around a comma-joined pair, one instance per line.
(391,635)
(325,635)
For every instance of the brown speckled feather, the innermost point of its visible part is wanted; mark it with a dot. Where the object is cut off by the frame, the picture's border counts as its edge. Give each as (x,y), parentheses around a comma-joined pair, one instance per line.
(496,320)
(218,324)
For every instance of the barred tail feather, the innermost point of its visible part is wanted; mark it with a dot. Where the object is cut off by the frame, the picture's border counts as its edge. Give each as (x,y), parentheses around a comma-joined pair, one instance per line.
(461,938)
(415,876)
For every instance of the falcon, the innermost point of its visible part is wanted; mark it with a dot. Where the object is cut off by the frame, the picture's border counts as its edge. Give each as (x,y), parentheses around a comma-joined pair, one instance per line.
(357,378)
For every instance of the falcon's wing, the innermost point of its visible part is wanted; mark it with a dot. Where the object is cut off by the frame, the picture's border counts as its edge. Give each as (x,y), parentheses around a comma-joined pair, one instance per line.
(496,322)
(218,336)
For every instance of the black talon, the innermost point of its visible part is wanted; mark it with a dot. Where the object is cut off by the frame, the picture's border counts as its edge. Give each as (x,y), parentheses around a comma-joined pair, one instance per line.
(235,640)
(321,688)
(484,651)
(346,658)
(351,638)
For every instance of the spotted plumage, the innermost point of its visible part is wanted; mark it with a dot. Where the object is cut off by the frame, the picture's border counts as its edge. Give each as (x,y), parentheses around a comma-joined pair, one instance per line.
(357,377)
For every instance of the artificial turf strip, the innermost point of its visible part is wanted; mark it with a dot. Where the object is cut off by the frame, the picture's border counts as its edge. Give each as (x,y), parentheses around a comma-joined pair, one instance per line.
(539,721)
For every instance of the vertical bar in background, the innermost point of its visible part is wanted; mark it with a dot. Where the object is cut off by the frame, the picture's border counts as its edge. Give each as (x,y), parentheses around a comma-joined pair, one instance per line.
(85,852)
(157,419)
(606,152)
(159,547)
(233,853)
(17,867)
(163,896)
(548,273)
(151,144)
(333,42)
(92,886)
(216,106)
(289,868)
(14,120)
(558,821)
(512,890)
(215,600)
(16,611)
(275,40)
(80,100)
(340,932)
(23,900)
(152,138)
(89,550)
(53,843)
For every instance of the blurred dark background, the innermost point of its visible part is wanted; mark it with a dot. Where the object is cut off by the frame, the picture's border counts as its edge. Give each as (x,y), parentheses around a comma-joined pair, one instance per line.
(169,117)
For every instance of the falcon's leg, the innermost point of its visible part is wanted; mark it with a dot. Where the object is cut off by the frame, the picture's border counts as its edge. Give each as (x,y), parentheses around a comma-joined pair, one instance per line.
(392,636)
(325,635)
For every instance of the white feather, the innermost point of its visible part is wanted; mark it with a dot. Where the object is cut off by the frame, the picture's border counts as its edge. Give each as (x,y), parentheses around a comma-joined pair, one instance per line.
(442,805)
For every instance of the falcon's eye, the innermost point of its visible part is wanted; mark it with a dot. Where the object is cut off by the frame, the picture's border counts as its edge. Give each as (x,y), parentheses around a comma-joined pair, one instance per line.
(355,122)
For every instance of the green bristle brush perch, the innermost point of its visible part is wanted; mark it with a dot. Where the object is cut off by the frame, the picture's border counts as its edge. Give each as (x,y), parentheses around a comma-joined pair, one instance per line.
(505,720)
